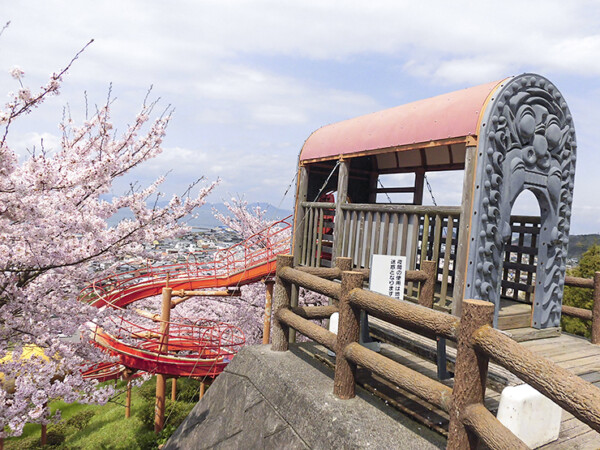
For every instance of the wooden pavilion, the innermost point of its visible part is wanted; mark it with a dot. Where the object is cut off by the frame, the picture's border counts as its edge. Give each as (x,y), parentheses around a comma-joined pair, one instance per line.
(507,136)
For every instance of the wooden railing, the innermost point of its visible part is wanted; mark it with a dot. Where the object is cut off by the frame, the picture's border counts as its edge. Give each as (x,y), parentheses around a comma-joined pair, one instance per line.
(582,313)
(418,232)
(477,342)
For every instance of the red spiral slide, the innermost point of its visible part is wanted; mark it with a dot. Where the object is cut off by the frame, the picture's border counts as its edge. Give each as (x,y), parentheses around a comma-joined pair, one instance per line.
(189,347)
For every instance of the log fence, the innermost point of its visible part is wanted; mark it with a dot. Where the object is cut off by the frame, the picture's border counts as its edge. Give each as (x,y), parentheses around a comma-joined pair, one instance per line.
(477,343)
(582,313)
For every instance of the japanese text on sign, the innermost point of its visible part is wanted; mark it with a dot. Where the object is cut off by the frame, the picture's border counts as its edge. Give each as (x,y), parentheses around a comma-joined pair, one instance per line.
(387,275)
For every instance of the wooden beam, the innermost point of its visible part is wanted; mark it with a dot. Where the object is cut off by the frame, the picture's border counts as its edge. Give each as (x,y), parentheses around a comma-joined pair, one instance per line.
(418,188)
(342,198)
(300,229)
(148,315)
(397,190)
(462,244)
(467,140)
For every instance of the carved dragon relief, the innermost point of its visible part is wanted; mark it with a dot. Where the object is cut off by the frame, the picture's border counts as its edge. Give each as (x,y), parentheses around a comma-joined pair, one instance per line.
(526,141)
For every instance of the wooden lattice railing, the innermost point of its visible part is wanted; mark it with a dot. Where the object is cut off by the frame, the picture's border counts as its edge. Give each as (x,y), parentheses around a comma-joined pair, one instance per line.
(361,230)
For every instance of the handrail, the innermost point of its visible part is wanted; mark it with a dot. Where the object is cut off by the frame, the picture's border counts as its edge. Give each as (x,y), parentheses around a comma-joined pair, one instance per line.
(477,342)
(266,245)
(432,391)
(570,392)
(312,282)
(415,209)
(417,318)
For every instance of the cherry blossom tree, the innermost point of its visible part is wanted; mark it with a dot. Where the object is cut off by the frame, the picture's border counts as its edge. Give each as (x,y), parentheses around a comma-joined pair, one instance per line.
(245,222)
(53,210)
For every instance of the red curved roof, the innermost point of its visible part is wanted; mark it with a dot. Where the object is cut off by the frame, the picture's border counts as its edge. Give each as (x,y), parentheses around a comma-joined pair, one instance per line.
(434,119)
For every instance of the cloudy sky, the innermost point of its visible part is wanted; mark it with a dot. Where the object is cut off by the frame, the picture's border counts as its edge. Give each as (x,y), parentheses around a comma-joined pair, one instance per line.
(250,80)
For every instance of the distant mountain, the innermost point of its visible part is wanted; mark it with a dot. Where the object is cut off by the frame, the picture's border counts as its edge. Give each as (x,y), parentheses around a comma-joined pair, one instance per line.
(579,243)
(205,215)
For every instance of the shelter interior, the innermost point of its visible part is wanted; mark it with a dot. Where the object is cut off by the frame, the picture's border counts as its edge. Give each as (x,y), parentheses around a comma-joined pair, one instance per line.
(382,218)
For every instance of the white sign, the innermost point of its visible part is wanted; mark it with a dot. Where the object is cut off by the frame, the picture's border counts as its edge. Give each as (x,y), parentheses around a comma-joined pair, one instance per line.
(387,275)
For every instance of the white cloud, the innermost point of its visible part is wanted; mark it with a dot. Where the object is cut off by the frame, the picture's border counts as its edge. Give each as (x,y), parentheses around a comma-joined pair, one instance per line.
(146,38)
(245,73)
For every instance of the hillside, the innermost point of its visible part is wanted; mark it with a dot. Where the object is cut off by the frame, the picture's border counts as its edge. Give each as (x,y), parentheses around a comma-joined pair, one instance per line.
(579,243)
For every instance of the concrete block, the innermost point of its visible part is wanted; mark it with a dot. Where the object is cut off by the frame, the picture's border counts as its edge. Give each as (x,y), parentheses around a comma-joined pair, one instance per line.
(333,327)
(531,416)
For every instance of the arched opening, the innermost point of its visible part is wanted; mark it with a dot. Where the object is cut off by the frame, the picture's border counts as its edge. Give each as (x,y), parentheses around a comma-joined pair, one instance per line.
(520,263)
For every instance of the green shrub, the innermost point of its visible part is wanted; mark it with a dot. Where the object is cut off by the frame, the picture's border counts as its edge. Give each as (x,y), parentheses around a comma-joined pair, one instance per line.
(175,413)
(30,443)
(188,390)
(147,440)
(56,434)
(148,390)
(80,420)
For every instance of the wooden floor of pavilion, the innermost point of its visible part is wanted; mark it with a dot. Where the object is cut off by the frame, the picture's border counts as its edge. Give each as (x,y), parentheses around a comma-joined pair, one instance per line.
(414,351)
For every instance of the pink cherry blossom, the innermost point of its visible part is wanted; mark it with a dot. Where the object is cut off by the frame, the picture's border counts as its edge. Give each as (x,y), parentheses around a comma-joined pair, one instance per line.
(53,210)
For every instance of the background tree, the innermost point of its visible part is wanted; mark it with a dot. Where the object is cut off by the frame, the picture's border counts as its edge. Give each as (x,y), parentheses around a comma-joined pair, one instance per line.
(581,297)
(53,210)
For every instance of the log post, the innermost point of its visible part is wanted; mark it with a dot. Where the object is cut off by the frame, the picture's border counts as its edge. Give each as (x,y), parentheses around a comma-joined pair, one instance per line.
(470,372)
(426,295)
(281,299)
(343,263)
(268,305)
(161,381)
(344,382)
(128,401)
(596,310)
(173,389)
(202,389)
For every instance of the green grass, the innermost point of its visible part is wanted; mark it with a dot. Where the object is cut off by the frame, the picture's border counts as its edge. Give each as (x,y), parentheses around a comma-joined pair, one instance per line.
(108,428)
